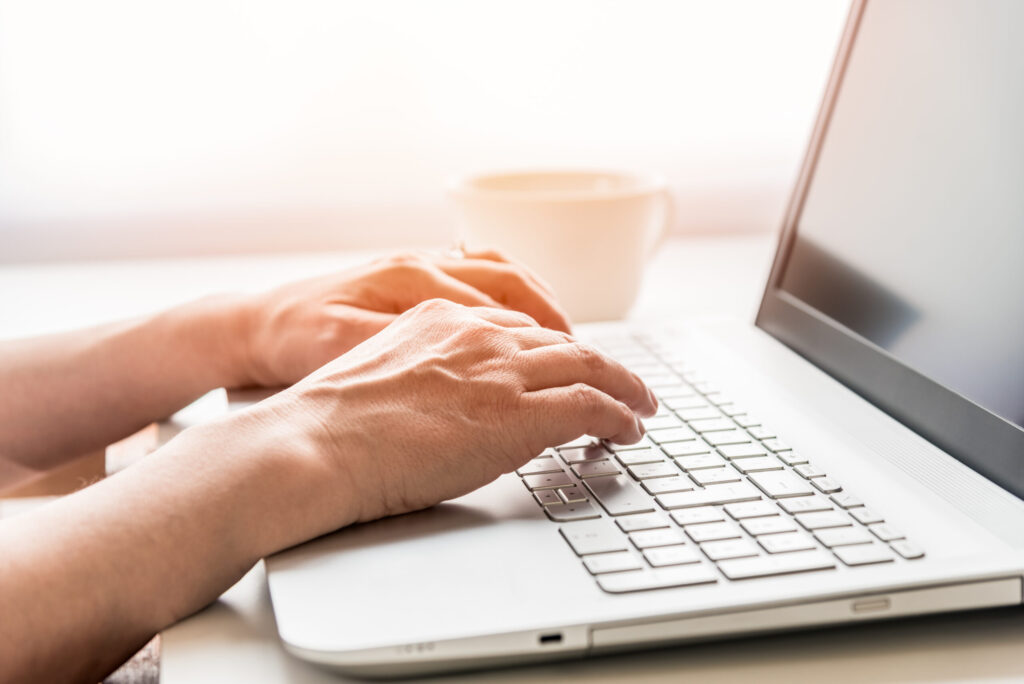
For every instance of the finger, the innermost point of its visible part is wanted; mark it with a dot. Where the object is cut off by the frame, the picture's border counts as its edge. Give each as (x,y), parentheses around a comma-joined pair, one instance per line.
(501,257)
(430,282)
(561,414)
(360,324)
(509,285)
(561,365)
(531,338)
(506,318)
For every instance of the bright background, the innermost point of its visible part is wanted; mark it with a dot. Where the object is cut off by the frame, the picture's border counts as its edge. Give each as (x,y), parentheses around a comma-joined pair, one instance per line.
(212,126)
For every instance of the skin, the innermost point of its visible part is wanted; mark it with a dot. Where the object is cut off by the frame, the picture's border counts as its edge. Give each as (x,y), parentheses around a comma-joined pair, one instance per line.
(88,579)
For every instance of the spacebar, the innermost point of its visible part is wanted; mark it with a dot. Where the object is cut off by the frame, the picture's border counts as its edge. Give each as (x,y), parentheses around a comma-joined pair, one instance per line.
(746,568)
(619,495)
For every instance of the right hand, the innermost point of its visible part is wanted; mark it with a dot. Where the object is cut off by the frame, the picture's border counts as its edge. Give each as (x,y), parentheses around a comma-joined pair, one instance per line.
(443,401)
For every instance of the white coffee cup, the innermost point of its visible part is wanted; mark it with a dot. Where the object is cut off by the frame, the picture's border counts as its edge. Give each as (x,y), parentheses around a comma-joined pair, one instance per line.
(589,234)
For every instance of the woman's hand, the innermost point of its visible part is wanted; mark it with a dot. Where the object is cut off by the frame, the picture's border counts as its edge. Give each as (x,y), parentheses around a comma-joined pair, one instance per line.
(295,329)
(443,401)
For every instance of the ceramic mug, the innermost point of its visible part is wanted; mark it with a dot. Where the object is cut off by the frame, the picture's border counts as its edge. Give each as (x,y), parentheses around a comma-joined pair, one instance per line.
(589,234)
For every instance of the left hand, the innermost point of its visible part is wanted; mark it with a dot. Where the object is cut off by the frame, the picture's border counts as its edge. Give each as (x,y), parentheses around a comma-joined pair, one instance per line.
(295,329)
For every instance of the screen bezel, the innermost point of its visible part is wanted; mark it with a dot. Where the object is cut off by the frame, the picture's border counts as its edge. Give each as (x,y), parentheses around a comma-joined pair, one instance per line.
(985,442)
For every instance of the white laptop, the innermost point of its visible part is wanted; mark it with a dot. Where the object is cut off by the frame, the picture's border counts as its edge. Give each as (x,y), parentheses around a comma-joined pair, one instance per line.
(858,454)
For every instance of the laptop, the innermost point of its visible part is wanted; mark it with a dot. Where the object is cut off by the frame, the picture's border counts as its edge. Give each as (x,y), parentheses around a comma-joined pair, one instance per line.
(857,454)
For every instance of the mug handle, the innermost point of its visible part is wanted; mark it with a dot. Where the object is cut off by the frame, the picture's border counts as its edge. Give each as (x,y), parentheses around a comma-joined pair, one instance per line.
(668,220)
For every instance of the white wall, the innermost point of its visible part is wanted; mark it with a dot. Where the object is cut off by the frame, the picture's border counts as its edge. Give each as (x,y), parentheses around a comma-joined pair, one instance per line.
(204,126)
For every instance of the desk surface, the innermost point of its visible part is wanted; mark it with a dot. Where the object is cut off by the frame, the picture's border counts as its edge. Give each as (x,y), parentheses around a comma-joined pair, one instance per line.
(235,639)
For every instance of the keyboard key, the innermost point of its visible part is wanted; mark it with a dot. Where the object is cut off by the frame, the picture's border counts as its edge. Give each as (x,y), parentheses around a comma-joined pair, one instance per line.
(712,496)
(691,448)
(773,525)
(807,504)
(641,521)
(700,461)
(885,532)
(786,543)
(758,464)
(743,420)
(593,536)
(662,422)
(717,398)
(671,555)
(672,435)
(864,554)
(595,469)
(776,444)
(574,511)
(685,402)
(612,562)
(742,450)
(669,395)
(691,516)
(571,494)
(619,495)
(790,458)
(644,443)
(652,470)
(712,531)
(781,484)
(808,471)
(705,387)
(733,548)
(663,381)
(823,519)
(846,500)
(657,578)
(546,497)
(648,455)
(761,432)
(540,465)
(726,437)
(701,413)
(715,476)
(547,481)
(585,440)
(866,516)
(666,536)
(782,564)
(908,550)
(751,509)
(826,485)
(711,425)
(594,452)
(664,485)
(843,536)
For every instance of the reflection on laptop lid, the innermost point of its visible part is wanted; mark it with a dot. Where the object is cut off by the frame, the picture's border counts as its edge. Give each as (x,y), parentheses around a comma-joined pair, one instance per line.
(900,272)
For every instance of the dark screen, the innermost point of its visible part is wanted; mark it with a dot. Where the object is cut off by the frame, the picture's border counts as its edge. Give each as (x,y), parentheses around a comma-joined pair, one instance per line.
(912,231)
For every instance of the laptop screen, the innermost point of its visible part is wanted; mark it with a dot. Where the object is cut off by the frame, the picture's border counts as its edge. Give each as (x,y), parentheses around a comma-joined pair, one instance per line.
(909,236)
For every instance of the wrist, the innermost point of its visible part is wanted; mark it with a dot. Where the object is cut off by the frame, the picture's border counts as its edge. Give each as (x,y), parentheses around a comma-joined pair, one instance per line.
(285,486)
(217,332)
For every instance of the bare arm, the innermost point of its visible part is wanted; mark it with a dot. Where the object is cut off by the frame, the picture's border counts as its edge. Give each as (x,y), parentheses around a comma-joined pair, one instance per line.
(72,393)
(452,396)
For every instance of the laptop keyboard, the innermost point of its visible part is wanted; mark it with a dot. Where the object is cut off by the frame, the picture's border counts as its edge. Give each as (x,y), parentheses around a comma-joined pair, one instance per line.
(710,492)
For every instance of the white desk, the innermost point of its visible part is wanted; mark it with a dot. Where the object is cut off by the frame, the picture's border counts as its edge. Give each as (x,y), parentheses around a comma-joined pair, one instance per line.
(235,640)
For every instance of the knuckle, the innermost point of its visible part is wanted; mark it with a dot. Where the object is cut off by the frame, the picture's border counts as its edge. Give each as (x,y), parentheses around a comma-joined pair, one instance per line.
(434,307)
(526,319)
(584,397)
(591,359)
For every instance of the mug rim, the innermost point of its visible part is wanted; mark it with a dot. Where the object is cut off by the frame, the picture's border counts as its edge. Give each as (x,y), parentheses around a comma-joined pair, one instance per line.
(648,183)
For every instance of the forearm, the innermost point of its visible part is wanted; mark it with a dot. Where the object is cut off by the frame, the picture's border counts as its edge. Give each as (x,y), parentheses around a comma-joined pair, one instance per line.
(88,579)
(67,394)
